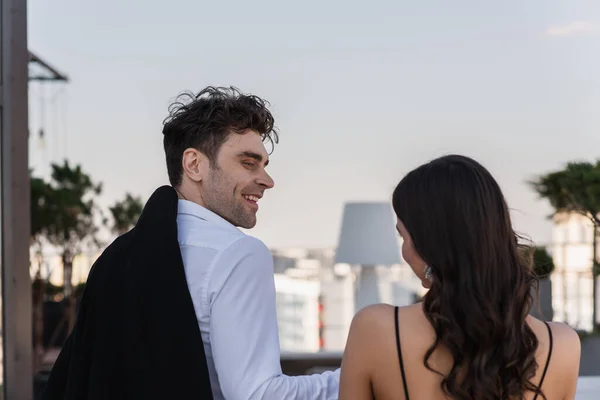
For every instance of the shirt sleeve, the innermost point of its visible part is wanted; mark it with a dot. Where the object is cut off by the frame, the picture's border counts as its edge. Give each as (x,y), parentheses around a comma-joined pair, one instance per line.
(243,331)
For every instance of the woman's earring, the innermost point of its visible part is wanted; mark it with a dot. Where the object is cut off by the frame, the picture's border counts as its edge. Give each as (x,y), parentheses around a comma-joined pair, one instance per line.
(428,274)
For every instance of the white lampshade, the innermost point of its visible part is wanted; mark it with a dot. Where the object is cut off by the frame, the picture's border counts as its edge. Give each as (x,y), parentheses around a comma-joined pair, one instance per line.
(368,235)
(368,238)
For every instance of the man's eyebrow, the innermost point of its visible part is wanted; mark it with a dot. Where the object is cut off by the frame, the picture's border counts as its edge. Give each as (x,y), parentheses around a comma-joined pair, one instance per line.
(253,155)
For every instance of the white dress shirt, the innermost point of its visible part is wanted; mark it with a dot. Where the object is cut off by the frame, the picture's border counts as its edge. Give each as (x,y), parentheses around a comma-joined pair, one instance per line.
(230,278)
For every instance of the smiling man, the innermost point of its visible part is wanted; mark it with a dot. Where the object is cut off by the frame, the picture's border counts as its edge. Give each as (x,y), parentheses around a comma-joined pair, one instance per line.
(216,160)
(183,305)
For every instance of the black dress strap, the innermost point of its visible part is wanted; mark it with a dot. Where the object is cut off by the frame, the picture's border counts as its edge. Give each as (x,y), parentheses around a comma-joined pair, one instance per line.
(547,360)
(399,348)
(396,309)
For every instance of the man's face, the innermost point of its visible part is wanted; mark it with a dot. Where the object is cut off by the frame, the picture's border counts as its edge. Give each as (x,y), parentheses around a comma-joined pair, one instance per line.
(233,188)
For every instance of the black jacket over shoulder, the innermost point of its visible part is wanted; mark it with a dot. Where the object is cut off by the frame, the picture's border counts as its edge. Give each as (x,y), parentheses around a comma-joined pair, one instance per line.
(136,335)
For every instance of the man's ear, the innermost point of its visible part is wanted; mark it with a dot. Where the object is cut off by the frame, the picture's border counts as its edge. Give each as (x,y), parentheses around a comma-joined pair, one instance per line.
(195,164)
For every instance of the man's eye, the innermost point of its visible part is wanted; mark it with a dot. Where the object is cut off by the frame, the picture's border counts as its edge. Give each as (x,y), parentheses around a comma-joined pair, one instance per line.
(248,164)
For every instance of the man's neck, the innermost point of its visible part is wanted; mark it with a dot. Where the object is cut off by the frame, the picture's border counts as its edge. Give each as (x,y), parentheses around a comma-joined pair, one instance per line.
(190,195)
(180,196)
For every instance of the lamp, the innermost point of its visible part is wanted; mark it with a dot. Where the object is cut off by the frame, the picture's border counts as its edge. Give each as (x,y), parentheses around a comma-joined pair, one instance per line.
(368,239)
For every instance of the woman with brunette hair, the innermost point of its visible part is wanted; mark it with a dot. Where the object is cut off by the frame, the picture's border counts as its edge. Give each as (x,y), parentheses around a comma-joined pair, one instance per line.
(471,338)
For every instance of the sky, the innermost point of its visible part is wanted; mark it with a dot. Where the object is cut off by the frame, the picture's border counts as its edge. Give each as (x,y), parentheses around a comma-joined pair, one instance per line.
(362,92)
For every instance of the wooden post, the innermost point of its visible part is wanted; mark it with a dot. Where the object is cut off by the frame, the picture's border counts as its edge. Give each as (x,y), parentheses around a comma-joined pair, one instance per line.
(15,203)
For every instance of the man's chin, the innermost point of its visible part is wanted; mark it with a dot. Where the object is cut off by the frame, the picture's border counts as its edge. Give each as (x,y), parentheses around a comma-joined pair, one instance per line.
(248,224)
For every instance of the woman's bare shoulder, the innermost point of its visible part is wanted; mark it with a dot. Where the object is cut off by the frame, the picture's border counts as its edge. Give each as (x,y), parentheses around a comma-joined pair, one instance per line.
(378,321)
(562,334)
(566,345)
(566,342)
(373,317)
(367,332)
(382,315)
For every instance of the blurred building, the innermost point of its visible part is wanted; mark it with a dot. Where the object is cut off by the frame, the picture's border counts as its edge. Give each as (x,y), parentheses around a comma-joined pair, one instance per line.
(572,290)
(299,275)
(316,297)
(298,314)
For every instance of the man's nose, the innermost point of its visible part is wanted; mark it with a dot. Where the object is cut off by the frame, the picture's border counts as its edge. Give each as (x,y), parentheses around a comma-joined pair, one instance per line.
(266,180)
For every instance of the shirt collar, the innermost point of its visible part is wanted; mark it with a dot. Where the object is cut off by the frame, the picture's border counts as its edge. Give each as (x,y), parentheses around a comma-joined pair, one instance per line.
(186,207)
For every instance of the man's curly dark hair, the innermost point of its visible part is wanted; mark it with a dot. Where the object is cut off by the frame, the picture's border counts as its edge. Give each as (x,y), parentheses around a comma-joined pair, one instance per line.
(205,120)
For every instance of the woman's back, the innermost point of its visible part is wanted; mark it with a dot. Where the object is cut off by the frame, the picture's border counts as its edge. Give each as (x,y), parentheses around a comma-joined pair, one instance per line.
(371,367)
(472,337)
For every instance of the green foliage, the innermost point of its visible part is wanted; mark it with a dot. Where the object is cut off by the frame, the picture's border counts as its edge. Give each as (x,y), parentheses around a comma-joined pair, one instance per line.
(72,204)
(41,218)
(576,188)
(543,264)
(125,213)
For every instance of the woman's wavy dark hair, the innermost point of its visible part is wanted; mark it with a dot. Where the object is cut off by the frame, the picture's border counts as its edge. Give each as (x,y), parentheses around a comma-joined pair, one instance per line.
(481,289)
(204,121)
